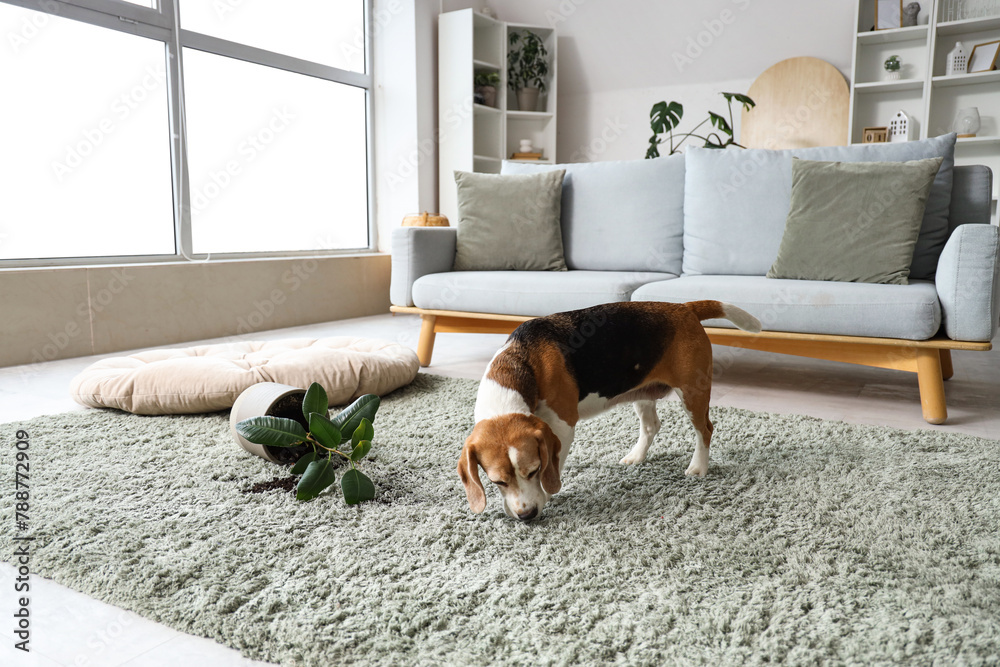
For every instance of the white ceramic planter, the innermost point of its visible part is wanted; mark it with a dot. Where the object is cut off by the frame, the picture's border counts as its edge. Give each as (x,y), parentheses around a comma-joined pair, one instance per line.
(256,401)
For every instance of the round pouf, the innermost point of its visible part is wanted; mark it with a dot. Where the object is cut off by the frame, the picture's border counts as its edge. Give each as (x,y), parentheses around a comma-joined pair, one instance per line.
(209,378)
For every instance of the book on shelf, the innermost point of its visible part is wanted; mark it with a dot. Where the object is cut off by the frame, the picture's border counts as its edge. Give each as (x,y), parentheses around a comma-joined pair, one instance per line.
(526,156)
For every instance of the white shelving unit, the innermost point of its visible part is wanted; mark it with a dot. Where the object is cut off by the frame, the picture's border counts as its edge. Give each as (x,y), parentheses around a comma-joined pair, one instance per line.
(475,137)
(930,97)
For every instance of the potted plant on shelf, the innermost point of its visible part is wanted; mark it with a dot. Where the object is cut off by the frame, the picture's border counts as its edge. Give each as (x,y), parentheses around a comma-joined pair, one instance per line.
(285,424)
(527,67)
(486,86)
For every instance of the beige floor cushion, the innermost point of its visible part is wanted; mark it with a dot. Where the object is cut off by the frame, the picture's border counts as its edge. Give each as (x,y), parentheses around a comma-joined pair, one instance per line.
(208,378)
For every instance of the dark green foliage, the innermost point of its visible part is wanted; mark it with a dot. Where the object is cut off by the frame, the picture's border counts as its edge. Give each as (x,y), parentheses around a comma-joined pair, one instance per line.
(664,119)
(353,426)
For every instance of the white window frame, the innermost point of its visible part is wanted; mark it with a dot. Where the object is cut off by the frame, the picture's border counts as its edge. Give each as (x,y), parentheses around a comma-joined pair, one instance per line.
(163,24)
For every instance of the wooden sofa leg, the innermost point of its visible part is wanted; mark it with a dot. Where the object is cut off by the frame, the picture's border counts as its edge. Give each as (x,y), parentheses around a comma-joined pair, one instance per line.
(425,346)
(931,382)
(947,370)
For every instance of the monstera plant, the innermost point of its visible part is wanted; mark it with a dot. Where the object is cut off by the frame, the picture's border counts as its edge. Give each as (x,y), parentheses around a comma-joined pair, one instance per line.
(347,436)
(664,119)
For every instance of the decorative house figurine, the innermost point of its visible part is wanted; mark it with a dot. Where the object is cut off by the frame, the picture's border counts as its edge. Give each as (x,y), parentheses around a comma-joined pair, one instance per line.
(958,60)
(901,128)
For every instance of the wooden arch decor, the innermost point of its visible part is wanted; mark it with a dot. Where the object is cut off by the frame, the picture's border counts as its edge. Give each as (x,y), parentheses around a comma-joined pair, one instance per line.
(801,102)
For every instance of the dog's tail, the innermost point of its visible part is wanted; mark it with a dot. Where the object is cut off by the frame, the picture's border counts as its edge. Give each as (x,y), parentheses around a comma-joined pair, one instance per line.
(707,310)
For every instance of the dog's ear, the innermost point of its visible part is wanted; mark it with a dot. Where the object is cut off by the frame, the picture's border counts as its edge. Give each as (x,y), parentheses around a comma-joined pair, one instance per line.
(468,470)
(548,452)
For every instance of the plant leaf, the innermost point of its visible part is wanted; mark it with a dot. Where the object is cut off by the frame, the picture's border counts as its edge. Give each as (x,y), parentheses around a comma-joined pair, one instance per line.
(315,401)
(742,99)
(361,450)
(664,117)
(318,476)
(721,123)
(654,148)
(303,462)
(274,431)
(324,431)
(349,420)
(357,487)
(365,431)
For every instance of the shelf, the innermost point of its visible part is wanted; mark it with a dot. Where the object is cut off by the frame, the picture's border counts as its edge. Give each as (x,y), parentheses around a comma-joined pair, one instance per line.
(483,64)
(908,34)
(486,158)
(529,114)
(543,160)
(482,108)
(886,86)
(968,25)
(977,141)
(966,79)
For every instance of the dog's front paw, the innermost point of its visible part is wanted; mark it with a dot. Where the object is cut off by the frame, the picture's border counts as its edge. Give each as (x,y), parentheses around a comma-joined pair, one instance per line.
(696,470)
(632,459)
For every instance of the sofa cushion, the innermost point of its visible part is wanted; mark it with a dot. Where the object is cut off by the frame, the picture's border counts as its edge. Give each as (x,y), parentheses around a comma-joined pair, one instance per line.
(526,292)
(620,216)
(811,306)
(855,222)
(736,202)
(509,223)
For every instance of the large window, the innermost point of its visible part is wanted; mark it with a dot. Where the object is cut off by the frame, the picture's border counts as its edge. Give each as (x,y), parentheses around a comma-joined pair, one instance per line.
(141,130)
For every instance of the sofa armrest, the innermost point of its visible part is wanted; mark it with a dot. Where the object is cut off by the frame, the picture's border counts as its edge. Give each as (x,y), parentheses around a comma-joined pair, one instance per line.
(968,283)
(416,252)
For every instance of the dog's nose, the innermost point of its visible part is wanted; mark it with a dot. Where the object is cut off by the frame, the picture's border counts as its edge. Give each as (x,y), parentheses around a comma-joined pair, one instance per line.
(529,515)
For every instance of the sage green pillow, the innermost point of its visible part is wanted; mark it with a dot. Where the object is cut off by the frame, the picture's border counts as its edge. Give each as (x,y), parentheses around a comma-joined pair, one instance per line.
(510,222)
(854,221)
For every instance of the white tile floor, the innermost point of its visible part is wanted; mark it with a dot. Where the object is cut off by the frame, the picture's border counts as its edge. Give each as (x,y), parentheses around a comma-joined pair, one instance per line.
(70,628)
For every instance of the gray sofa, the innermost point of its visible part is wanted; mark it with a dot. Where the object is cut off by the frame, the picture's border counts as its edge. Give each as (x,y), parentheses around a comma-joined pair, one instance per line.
(707,225)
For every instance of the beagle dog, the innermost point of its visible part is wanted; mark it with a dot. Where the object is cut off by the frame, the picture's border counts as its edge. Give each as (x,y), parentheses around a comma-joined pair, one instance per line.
(554,371)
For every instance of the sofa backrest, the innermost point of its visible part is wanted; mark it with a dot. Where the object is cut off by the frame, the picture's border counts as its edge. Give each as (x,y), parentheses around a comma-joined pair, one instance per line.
(971,196)
(620,216)
(736,202)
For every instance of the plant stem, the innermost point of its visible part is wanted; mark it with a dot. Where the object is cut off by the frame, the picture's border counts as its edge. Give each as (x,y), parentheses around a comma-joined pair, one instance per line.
(686,135)
(732,124)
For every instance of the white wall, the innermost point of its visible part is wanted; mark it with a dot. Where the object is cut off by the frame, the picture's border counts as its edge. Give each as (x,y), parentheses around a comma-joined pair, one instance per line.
(617,58)
(405,75)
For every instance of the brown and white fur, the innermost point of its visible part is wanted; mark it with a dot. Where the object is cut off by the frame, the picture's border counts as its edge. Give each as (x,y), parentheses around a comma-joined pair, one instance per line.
(554,371)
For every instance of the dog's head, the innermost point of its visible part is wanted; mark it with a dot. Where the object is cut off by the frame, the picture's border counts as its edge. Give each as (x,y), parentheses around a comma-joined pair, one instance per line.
(520,455)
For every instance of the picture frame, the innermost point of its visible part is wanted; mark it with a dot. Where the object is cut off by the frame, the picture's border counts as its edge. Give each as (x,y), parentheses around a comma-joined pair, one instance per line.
(875,135)
(888,14)
(984,56)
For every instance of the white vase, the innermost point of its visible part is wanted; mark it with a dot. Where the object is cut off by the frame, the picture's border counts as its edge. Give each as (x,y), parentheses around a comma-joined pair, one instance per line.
(256,401)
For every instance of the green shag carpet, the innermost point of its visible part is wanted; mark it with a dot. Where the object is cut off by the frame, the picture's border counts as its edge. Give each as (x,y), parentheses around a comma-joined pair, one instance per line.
(809,542)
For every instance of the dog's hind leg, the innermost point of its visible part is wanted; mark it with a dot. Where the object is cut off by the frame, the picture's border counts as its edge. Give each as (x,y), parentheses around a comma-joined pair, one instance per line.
(695,401)
(649,426)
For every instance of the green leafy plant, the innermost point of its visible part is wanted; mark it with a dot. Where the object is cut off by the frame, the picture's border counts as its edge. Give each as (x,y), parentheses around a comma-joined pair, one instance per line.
(527,66)
(892,64)
(353,427)
(487,79)
(664,119)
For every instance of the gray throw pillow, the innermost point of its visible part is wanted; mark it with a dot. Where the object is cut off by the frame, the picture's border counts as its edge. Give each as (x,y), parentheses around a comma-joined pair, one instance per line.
(509,223)
(854,221)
